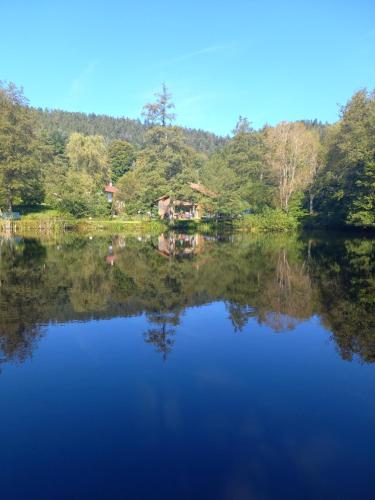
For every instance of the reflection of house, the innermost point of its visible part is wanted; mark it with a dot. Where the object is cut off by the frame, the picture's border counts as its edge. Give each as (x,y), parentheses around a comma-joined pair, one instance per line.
(111,257)
(110,190)
(169,208)
(180,244)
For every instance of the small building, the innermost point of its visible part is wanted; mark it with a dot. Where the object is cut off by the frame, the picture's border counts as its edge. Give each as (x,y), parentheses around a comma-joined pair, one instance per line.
(183,209)
(110,190)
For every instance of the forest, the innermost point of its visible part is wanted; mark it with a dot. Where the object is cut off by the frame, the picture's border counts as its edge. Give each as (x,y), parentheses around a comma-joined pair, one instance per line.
(303,172)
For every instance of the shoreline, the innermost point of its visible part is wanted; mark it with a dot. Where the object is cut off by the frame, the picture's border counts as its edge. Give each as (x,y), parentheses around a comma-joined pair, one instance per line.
(154,226)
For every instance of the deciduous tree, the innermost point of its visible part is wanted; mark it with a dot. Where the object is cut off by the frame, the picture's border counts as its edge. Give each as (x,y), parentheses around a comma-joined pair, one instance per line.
(88,153)
(291,157)
(121,156)
(20,150)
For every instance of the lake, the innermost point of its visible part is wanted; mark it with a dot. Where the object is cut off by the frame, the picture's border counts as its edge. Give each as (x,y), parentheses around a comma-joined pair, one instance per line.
(187,367)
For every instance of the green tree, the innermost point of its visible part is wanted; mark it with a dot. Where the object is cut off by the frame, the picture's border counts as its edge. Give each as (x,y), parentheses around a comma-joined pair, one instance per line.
(128,197)
(88,153)
(346,189)
(77,194)
(218,176)
(21,151)
(121,156)
(237,172)
(165,166)
(115,128)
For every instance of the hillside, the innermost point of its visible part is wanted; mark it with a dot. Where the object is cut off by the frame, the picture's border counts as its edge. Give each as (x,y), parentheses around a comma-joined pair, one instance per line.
(112,128)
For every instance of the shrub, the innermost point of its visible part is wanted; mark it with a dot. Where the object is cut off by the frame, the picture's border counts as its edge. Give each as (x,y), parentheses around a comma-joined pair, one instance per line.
(268,220)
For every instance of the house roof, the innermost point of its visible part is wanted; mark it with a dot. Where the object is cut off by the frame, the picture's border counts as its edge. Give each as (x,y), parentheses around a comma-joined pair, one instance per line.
(164,197)
(183,203)
(202,189)
(195,187)
(110,189)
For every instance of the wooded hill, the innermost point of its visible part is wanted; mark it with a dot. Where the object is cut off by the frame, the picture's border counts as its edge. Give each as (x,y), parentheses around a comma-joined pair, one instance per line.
(126,129)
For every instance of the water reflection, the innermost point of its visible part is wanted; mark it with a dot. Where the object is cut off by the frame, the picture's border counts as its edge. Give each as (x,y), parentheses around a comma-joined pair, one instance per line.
(180,245)
(279,280)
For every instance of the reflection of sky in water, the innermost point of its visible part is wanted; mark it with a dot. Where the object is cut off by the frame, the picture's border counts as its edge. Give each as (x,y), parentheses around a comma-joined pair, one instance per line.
(230,414)
(269,410)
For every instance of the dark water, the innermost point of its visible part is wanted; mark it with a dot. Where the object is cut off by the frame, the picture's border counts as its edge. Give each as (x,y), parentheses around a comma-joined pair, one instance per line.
(187,367)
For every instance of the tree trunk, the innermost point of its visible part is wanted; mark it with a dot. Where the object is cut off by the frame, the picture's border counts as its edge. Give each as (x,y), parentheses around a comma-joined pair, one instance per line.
(10,202)
(311,205)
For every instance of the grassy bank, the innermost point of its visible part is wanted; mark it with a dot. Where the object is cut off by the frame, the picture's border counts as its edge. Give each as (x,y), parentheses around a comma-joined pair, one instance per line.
(270,221)
(251,223)
(46,220)
(118,225)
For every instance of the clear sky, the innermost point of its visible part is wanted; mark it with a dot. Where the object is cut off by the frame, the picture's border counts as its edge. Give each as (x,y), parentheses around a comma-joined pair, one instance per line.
(267,60)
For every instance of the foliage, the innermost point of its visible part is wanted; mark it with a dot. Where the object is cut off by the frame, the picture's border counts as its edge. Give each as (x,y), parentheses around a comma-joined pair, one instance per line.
(121,155)
(89,154)
(77,194)
(128,196)
(346,188)
(268,220)
(133,131)
(237,173)
(21,152)
(74,181)
(165,166)
(292,158)
(309,170)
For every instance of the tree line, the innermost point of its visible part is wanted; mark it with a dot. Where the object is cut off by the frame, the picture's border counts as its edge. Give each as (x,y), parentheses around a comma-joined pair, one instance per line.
(323,174)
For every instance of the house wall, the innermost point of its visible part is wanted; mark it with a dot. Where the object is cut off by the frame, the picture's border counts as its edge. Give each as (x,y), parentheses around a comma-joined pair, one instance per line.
(198,211)
(164,207)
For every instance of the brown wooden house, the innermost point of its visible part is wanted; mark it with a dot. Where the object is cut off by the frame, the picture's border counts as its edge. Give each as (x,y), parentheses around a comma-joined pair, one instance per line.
(169,208)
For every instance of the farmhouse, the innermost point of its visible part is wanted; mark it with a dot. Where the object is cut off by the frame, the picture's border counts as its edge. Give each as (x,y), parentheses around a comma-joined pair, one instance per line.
(169,208)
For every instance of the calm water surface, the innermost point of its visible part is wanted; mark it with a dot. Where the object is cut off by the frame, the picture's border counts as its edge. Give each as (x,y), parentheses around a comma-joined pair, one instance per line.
(187,367)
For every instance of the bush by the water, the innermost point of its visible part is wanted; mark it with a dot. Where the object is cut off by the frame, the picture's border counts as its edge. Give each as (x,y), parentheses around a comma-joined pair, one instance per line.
(268,220)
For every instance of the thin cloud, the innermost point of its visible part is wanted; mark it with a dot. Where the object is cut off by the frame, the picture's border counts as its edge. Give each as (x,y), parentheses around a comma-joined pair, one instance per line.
(200,52)
(79,84)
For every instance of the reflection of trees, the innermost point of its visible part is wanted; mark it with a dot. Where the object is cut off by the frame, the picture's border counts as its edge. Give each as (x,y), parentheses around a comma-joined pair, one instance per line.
(344,275)
(271,283)
(161,335)
(289,296)
(278,280)
(240,315)
(22,271)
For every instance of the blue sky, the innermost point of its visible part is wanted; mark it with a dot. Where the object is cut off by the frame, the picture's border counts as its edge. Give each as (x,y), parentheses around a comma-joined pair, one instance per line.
(269,60)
